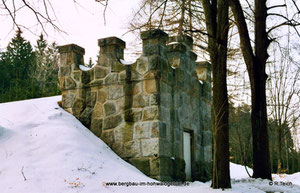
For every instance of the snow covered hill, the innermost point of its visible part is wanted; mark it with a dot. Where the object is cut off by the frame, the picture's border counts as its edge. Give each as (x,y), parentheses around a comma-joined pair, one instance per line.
(43,149)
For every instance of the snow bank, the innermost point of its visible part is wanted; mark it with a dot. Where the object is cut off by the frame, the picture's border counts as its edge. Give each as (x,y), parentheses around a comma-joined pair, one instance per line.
(239,171)
(43,149)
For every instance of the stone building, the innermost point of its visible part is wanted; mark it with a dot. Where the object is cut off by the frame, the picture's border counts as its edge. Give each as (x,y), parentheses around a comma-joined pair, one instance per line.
(154,113)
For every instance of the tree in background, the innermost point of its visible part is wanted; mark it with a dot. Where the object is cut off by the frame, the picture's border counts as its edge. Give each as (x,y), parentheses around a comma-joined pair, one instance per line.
(240,135)
(283,94)
(256,59)
(26,73)
(45,70)
(16,62)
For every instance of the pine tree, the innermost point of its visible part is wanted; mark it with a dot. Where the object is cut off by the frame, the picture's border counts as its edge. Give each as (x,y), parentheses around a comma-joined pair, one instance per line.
(17,61)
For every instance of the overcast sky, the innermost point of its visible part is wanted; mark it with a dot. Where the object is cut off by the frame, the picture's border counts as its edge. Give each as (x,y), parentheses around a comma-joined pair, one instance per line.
(83,22)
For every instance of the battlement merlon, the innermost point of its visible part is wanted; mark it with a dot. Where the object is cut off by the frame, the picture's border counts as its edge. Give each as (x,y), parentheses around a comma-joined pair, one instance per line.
(184,39)
(111,52)
(154,42)
(71,48)
(70,75)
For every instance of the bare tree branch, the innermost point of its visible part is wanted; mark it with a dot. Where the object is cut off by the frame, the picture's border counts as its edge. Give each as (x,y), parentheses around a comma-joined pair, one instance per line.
(276,6)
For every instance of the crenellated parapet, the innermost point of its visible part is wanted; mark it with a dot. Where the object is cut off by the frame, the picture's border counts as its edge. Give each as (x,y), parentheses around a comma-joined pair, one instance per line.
(142,110)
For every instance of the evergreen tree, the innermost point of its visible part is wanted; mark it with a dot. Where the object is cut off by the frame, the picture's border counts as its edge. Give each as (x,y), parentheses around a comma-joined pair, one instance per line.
(46,67)
(19,56)
(16,63)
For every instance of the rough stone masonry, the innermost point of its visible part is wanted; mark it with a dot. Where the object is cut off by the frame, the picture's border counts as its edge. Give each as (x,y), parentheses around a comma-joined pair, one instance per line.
(141,110)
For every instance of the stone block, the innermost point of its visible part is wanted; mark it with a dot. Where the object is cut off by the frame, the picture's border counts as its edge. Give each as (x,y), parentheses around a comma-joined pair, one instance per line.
(183,39)
(142,65)
(78,107)
(116,66)
(201,171)
(102,95)
(133,115)
(122,76)
(177,47)
(154,34)
(152,74)
(207,138)
(71,48)
(166,99)
(166,168)
(135,75)
(61,81)
(65,71)
(96,126)
(158,129)
(86,116)
(127,132)
(98,111)
(77,76)
(142,164)
(154,99)
(179,74)
(112,121)
(140,101)
(118,133)
(178,169)
(141,130)
(110,108)
(154,50)
(150,113)
(154,166)
(108,137)
(111,41)
(112,78)
(137,88)
(69,83)
(118,148)
(91,98)
(157,62)
(132,149)
(165,114)
(115,92)
(100,72)
(165,148)
(207,150)
(120,104)
(151,86)
(68,100)
(178,135)
(150,146)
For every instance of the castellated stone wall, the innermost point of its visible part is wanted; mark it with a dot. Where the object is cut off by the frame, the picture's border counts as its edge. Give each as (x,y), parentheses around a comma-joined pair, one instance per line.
(141,110)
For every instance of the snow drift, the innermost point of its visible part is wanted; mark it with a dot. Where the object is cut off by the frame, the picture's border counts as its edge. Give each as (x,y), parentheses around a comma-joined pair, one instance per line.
(45,149)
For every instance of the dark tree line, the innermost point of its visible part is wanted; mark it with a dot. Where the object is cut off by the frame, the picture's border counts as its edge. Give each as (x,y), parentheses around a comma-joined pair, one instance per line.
(28,72)
(241,139)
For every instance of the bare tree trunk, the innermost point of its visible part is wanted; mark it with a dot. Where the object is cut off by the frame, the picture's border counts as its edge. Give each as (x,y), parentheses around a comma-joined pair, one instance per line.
(256,65)
(216,14)
(181,20)
(279,149)
(261,155)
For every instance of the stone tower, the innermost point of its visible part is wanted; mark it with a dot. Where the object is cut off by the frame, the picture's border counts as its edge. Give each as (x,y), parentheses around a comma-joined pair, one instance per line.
(154,113)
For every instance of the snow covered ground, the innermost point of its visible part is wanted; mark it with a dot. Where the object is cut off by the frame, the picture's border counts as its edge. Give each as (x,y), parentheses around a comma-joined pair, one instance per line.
(43,149)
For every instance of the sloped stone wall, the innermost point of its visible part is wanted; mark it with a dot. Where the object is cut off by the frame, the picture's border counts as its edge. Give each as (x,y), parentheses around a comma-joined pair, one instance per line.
(141,110)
